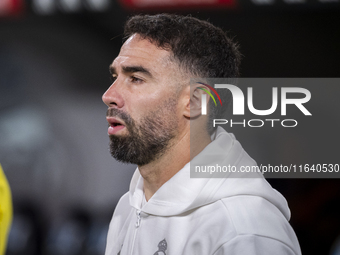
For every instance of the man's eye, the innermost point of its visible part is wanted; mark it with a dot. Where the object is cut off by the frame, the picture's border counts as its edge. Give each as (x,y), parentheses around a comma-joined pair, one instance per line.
(135,79)
(113,78)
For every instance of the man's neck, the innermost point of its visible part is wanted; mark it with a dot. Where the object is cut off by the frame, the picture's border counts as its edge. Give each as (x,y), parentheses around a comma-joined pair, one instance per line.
(158,172)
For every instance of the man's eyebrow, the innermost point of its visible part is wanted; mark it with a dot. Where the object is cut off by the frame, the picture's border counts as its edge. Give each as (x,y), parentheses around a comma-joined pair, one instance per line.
(135,69)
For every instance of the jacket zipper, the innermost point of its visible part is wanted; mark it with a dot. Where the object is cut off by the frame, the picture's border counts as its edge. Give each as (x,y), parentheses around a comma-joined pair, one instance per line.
(138,212)
(138,218)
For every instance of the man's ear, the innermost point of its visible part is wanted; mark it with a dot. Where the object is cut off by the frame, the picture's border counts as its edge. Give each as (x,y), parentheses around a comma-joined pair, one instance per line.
(194,103)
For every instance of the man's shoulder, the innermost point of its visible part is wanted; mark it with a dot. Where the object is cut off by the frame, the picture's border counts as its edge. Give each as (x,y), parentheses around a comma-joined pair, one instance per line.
(119,219)
(124,200)
(120,215)
(256,216)
(121,212)
(123,205)
(250,207)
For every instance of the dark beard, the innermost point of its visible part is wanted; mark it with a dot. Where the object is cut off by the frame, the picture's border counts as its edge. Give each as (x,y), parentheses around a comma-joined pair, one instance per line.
(147,141)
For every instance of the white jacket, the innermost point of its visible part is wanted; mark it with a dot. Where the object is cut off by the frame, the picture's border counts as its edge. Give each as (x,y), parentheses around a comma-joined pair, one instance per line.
(204,216)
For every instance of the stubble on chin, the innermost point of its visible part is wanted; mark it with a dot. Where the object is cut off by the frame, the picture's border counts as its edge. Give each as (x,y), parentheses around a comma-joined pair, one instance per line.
(147,140)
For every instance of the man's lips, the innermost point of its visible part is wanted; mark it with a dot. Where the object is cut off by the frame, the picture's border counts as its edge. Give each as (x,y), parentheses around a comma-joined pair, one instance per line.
(115,125)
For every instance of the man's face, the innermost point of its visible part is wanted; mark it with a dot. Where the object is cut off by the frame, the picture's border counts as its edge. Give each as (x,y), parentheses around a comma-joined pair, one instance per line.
(142,102)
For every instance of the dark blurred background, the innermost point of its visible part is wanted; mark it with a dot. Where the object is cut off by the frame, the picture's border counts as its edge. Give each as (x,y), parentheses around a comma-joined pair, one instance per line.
(54,58)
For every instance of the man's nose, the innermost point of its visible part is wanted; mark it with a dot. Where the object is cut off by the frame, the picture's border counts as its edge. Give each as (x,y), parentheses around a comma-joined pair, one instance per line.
(113,97)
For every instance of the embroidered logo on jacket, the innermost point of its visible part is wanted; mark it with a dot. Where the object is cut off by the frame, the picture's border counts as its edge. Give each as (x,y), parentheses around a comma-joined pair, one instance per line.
(162,246)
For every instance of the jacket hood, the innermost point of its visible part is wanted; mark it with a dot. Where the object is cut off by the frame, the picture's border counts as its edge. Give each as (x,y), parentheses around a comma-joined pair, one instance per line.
(182,193)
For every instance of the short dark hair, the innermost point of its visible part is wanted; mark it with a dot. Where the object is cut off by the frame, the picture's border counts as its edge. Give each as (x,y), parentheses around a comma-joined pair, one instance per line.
(199,47)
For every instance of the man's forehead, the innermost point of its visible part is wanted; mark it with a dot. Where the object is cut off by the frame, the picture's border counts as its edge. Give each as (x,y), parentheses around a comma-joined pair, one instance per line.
(139,51)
